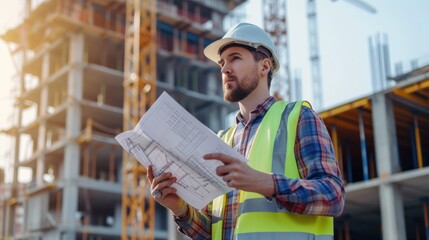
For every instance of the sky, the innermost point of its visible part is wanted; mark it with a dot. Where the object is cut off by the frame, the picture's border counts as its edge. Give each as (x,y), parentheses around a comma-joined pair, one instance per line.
(343,41)
(8,17)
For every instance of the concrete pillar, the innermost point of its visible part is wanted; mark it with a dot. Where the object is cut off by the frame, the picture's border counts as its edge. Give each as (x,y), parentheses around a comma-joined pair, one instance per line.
(223,121)
(216,116)
(118,217)
(25,206)
(212,81)
(8,216)
(173,233)
(43,106)
(3,216)
(169,77)
(34,212)
(176,42)
(73,128)
(387,157)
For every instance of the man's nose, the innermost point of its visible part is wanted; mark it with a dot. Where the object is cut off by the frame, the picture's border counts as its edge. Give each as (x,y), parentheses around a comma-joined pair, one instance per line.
(225,69)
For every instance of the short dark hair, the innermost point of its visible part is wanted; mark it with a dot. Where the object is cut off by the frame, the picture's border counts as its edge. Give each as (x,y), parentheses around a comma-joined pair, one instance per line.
(258,54)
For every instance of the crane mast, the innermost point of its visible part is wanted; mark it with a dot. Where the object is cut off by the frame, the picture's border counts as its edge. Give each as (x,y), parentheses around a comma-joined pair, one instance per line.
(314,54)
(138,210)
(275,23)
(313,34)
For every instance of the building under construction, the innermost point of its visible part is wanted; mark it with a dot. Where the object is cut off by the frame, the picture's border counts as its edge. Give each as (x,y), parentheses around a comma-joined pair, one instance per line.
(382,144)
(74,93)
(73,89)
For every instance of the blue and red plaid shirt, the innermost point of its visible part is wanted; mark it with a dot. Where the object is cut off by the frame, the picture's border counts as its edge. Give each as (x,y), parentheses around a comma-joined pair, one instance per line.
(320,191)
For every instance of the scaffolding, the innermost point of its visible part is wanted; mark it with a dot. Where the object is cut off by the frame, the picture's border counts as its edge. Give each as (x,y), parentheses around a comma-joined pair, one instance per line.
(138,208)
(78,90)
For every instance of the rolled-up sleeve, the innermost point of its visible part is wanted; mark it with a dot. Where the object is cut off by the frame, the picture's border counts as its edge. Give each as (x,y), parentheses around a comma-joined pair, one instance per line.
(196,224)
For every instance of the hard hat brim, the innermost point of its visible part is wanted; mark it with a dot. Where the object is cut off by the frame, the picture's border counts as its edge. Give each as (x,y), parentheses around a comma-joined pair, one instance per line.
(212,50)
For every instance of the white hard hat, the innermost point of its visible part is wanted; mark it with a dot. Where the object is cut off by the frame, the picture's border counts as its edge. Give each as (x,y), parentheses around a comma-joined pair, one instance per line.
(245,34)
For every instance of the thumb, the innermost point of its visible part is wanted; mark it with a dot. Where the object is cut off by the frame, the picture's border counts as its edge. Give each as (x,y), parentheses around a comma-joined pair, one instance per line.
(150,173)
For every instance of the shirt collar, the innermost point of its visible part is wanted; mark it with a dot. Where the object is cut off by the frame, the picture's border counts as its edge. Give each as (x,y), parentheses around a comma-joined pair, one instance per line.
(260,110)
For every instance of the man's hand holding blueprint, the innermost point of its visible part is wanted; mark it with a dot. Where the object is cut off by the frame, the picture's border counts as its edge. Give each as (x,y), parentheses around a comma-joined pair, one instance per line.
(170,139)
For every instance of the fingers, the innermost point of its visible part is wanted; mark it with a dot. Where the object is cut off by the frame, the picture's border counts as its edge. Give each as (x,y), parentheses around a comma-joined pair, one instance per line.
(156,180)
(225,159)
(160,186)
(224,170)
(164,180)
(227,178)
(150,173)
(159,194)
(232,171)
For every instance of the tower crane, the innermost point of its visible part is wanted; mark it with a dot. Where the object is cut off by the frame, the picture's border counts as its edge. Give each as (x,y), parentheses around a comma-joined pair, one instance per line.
(138,211)
(275,23)
(314,46)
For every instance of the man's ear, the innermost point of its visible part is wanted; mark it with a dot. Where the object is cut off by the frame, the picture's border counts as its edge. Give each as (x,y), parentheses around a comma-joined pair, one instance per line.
(266,65)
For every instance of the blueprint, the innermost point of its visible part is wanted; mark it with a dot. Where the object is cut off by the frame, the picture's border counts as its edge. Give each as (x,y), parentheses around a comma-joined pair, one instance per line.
(171,140)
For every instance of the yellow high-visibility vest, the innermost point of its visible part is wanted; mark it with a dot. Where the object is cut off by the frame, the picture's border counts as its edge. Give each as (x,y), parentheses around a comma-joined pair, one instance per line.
(259,218)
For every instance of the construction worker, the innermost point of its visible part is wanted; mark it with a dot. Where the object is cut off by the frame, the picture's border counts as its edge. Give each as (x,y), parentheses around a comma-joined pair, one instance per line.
(291,187)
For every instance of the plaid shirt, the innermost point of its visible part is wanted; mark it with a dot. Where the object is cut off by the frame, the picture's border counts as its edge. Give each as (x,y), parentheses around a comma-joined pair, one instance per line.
(315,159)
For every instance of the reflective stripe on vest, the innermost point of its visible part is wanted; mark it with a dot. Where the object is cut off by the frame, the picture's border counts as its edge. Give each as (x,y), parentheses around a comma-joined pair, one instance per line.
(259,218)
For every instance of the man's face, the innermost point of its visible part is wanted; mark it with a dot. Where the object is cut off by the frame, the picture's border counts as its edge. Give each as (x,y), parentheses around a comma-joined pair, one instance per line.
(239,73)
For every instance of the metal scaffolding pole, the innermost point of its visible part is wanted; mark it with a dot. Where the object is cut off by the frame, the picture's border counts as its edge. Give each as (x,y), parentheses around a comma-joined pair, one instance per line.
(363,145)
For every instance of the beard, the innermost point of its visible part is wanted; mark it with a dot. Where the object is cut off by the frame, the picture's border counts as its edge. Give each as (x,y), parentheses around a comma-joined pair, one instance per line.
(242,90)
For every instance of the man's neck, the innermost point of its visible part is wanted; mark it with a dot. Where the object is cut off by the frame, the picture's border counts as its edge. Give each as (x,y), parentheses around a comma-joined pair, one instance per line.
(250,103)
